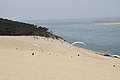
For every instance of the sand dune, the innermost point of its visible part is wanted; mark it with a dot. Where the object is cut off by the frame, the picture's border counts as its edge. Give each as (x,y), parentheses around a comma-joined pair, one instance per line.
(52,60)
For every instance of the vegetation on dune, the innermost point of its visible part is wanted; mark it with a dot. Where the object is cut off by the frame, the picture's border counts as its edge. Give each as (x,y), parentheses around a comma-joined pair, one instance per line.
(15,28)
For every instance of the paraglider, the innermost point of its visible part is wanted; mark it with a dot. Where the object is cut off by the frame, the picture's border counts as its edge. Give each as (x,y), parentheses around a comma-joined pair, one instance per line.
(78,42)
(36,45)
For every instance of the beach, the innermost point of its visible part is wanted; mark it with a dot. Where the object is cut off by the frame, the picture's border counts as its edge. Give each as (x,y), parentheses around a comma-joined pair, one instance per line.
(41,58)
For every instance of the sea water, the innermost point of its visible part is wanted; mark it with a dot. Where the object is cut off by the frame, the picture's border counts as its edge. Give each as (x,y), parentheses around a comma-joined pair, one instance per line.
(102,38)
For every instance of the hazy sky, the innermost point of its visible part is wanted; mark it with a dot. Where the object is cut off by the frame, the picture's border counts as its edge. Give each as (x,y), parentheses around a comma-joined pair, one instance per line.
(58,9)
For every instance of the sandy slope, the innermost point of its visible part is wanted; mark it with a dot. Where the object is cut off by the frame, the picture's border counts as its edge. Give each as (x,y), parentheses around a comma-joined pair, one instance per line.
(52,60)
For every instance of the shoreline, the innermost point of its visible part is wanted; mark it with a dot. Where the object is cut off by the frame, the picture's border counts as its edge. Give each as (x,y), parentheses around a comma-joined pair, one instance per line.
(102,53)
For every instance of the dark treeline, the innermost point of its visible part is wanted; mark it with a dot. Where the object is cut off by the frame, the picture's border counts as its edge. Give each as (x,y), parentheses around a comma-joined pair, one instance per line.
(15,28)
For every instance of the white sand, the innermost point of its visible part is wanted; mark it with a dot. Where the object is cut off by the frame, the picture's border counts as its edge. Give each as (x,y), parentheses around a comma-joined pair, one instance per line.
(52,60)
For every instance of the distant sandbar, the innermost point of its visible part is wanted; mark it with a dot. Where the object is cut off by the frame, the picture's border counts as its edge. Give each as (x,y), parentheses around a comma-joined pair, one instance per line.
(107,23)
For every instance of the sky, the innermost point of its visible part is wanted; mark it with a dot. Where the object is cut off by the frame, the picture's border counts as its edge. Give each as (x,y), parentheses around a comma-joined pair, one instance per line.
(58,9)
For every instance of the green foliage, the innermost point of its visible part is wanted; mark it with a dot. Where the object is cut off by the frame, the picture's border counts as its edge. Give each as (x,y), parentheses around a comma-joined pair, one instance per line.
(14,28)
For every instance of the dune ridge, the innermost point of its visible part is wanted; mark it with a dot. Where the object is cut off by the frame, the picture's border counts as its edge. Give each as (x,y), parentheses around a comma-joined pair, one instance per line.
(40,58)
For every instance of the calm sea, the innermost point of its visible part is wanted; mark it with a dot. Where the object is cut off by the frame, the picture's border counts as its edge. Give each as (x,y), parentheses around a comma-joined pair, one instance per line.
(98,38)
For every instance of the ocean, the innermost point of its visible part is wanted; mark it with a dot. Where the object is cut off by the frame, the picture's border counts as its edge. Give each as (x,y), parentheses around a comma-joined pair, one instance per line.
(101,38)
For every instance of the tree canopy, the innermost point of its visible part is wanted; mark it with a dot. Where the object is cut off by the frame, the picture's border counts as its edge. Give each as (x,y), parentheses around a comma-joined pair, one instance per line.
(15,28)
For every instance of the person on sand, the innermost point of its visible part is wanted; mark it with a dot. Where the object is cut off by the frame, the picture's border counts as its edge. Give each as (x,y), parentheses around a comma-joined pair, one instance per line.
(113,65)
(32,53)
